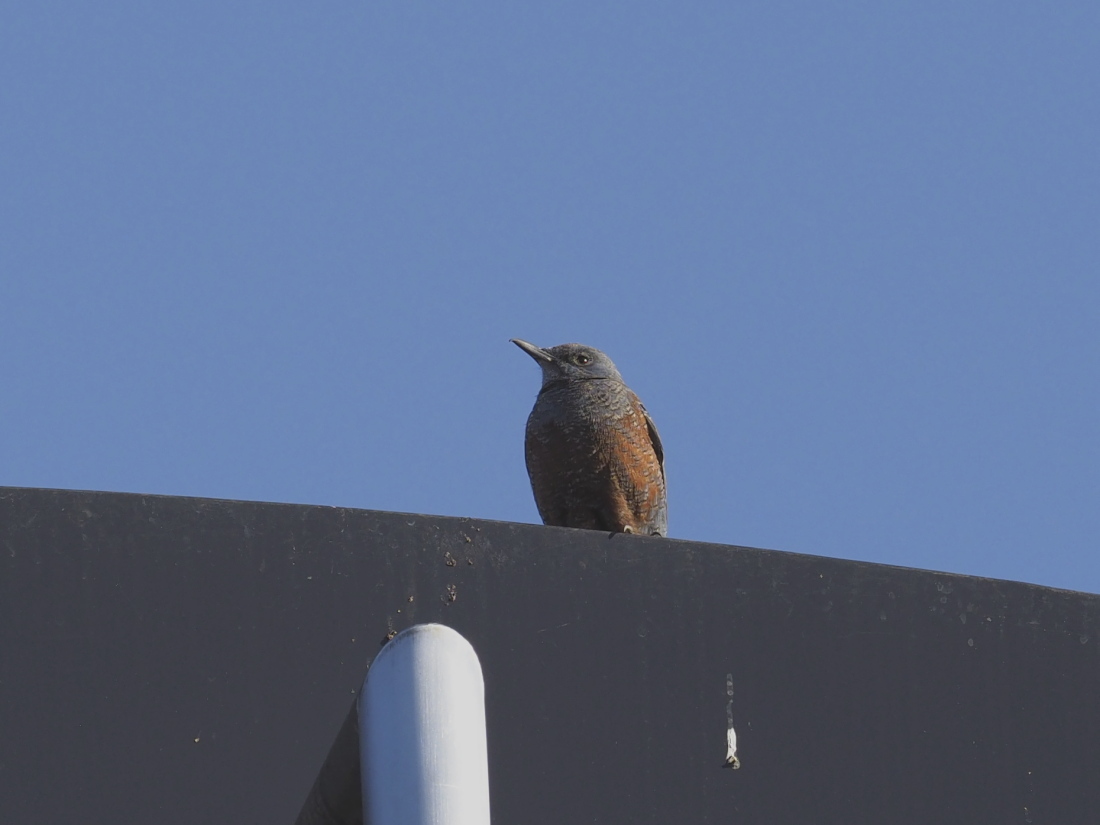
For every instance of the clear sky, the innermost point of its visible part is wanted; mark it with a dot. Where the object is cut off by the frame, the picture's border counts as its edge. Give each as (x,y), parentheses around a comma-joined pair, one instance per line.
(848,255)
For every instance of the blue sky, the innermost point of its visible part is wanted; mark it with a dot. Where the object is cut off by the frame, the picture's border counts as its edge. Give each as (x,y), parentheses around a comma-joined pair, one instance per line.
(847,254)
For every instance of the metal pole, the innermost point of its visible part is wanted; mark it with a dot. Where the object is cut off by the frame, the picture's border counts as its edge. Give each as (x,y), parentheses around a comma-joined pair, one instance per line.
(422,732)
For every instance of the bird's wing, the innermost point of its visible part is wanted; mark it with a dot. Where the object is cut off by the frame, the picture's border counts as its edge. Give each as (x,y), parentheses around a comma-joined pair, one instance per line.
(654,436)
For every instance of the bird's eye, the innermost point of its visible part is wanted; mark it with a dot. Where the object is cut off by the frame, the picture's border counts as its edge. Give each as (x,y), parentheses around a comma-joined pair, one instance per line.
(583,359)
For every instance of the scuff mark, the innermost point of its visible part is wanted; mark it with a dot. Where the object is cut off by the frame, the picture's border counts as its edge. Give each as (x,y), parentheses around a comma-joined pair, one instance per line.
(731,735)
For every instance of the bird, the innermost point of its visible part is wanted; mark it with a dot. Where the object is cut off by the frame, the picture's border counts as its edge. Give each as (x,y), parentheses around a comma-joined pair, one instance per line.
(593,453)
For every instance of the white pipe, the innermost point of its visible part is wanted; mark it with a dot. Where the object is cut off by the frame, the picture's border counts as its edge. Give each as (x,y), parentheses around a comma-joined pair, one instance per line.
(422,732)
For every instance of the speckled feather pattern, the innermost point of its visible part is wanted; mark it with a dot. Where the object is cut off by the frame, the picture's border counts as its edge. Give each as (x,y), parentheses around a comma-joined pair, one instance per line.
(594,457)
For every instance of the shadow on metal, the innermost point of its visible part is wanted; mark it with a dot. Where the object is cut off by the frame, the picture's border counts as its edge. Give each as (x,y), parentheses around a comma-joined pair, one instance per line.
(335,798)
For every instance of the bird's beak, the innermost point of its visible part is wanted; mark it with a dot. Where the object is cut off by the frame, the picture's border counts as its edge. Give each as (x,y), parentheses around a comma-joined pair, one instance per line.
(538,353)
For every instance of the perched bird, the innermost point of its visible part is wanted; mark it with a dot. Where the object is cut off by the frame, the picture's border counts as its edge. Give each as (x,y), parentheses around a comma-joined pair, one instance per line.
(593,453)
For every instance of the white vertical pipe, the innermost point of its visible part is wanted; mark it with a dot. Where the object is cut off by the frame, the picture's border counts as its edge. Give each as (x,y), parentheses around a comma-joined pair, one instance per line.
(422,732)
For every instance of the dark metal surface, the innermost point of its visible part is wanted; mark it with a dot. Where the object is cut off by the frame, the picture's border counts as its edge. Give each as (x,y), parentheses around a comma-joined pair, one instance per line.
(336,797)
(178,660)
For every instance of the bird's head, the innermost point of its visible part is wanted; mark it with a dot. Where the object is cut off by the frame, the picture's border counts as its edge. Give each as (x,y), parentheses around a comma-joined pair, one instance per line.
(570,362)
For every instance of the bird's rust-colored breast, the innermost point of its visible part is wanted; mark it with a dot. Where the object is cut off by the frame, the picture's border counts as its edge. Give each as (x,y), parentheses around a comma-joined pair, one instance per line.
(596,460)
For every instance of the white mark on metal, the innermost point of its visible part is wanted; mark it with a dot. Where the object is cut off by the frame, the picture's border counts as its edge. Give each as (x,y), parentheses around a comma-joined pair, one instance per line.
(731,735)
(556,627)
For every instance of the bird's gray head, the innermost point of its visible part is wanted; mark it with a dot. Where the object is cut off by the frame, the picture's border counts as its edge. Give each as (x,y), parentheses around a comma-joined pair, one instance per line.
(570,362)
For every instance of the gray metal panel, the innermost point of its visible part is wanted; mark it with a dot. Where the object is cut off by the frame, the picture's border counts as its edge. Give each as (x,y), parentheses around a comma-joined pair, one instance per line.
(184,660)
